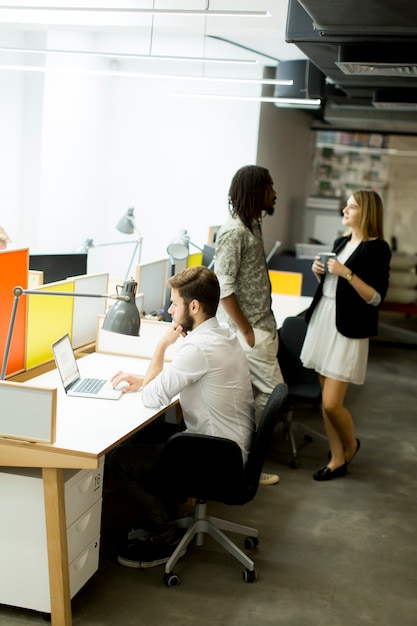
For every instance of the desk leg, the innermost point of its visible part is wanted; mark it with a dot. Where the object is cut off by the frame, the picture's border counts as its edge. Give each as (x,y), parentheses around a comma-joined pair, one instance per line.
(56,532)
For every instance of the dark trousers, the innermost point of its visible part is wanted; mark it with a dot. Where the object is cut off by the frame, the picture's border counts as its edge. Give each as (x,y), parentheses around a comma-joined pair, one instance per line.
(138,472)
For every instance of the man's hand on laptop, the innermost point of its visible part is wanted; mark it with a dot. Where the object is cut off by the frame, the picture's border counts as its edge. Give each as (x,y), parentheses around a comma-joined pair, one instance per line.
(128,382)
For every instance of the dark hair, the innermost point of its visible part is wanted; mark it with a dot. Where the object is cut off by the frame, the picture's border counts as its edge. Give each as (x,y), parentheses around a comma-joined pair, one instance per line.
(371,224)
(198,283)
(247,193)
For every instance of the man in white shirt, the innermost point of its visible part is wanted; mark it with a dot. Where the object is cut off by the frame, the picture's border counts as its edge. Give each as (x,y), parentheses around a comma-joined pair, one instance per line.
(210,373)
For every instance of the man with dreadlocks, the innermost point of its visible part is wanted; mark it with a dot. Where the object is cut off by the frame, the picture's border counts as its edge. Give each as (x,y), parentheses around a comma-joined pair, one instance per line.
(242,271)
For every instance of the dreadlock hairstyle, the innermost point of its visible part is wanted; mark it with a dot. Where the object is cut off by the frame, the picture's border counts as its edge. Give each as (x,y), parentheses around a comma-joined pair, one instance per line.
(247,193)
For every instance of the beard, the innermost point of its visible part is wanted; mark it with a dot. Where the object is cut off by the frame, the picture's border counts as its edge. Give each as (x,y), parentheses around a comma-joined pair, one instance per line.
(187,322)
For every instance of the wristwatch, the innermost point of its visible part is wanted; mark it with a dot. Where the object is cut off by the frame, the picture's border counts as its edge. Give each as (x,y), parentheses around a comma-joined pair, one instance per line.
(349,276)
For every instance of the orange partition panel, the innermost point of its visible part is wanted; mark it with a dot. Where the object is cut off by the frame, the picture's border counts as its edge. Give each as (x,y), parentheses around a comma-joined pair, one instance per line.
(14,266)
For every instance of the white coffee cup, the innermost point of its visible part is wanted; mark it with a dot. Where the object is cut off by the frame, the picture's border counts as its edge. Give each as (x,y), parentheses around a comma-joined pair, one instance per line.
(324,257)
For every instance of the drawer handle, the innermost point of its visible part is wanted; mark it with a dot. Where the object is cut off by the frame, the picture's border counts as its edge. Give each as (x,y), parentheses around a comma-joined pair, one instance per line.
(85,484)
(78,565)
(82,525)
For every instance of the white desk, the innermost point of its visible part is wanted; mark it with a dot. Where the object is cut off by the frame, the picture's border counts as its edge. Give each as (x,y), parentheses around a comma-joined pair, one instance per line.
(284,306)
(86,430)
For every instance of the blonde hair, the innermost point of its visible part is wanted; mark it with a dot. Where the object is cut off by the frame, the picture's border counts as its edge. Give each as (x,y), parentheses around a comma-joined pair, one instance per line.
(372,209)
(4,236)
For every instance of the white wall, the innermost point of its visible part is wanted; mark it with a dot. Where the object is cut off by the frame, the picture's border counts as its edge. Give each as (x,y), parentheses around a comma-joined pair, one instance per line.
(78,150)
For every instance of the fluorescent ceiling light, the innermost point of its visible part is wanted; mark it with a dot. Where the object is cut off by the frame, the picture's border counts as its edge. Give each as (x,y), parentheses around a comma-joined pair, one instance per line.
(190,12)
(297,103)
(126,55)
(122,74)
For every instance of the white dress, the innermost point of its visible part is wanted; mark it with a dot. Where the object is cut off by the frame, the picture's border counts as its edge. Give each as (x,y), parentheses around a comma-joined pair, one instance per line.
(325,350)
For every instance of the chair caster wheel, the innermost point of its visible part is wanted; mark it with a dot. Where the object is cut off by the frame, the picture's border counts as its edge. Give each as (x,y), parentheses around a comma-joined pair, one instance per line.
(293,463)
(171,580)
(251,542)
(248,575)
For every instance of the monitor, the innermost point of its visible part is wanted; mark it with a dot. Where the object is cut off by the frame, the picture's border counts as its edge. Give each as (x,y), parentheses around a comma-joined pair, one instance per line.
(58,266)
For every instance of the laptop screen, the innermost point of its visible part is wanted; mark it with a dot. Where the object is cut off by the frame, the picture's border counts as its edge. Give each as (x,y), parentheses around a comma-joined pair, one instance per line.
(65,361)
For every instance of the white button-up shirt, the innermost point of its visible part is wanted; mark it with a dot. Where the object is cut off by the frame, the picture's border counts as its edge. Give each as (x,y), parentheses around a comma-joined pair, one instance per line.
(211,375)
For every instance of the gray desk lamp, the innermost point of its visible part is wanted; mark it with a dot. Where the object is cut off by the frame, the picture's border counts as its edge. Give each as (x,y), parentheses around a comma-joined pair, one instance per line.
(178,250)
(123,317)
(127,225)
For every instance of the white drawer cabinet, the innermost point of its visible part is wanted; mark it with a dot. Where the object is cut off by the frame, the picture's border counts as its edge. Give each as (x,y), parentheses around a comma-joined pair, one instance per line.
(24,576)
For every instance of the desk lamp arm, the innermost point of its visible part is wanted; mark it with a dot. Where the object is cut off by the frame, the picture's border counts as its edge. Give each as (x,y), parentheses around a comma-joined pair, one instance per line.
(19,291)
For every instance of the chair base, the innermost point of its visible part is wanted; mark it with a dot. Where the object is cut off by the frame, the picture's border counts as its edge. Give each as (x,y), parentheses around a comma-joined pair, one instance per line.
(310,435)
(201,523)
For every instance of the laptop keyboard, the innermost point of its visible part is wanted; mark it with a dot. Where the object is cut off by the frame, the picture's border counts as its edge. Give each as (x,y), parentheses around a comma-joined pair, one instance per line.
(90,385)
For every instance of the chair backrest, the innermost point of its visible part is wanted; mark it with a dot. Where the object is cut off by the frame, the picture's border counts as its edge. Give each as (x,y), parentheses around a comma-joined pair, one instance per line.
(211,468)
(201,466)
(262,438)
(291,339)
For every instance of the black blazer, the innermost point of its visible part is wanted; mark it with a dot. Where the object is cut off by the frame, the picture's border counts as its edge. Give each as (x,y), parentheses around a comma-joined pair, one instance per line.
(370,261)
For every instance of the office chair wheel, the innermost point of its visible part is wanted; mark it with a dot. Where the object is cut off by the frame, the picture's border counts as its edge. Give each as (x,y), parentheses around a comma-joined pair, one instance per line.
(249,575)
(171,579)
(251,543)
(293,463)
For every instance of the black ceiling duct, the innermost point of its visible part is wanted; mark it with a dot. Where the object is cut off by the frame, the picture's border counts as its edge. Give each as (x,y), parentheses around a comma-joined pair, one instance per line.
(308,80)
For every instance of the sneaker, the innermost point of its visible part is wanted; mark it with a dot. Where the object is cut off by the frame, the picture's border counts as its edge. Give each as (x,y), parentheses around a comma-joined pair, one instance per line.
(268,479)
(143,554)
(138,533)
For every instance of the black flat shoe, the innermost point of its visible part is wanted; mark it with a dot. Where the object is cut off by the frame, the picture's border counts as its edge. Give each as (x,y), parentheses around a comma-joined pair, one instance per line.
(327,474)
(358,445)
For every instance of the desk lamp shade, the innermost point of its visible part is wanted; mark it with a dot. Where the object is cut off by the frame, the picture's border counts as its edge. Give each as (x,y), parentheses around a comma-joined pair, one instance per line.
(123,317)
(126,224)
(178,248)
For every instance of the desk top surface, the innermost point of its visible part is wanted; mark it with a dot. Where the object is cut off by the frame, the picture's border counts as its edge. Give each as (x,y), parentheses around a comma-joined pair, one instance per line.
(89,427)
(284,305)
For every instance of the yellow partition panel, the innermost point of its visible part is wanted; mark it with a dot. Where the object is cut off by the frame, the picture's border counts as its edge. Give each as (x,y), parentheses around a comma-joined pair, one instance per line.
(195,259)
(286,282)
(49,317)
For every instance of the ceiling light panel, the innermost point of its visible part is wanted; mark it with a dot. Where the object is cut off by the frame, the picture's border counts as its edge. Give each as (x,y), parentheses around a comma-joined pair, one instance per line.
(73,13)
(127,55)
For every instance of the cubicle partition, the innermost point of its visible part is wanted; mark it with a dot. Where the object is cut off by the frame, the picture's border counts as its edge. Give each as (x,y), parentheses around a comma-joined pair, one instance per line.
(152,282)
(51,317)
(40,320)
(13,272)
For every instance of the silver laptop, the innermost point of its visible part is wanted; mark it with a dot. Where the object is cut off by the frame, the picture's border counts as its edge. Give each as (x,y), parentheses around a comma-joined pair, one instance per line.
(74,385)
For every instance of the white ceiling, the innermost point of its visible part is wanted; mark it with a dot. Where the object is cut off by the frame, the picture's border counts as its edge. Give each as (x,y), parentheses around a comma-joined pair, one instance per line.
(152,35)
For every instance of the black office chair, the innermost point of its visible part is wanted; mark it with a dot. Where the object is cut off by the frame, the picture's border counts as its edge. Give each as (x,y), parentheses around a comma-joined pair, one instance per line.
(303,383)
(206,468)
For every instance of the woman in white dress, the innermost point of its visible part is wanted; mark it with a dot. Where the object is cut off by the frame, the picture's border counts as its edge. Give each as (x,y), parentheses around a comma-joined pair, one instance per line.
(342,317)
